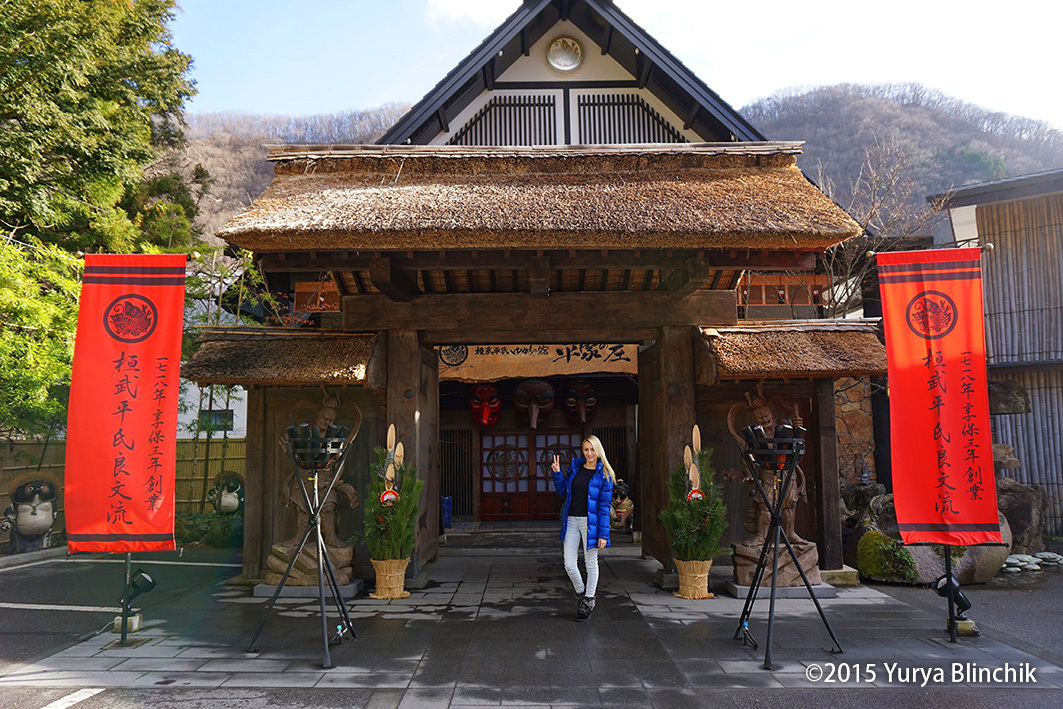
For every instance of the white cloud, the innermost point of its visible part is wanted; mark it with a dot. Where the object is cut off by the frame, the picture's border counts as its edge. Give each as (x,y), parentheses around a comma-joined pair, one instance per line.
(487,13)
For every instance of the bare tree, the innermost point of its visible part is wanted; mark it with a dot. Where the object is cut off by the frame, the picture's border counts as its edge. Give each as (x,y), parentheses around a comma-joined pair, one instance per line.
(893,216)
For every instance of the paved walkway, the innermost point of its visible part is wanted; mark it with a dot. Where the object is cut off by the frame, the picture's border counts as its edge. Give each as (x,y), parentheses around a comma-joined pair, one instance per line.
(496,627)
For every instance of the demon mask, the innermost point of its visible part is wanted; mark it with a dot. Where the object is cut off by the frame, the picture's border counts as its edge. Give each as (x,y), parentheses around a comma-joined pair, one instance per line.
(485,400)
(580,402)
(533,399)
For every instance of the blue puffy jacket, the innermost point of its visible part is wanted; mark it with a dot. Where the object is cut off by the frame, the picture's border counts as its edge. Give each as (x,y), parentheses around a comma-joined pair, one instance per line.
(599,500)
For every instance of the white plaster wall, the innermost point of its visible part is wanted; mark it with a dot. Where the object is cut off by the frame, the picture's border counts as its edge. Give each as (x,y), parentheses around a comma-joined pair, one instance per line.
(964,226)
(190,410)
(595,66)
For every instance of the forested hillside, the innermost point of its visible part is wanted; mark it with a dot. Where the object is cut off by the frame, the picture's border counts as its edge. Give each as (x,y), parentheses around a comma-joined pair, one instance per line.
(946,142)
(231,147)
(936,141)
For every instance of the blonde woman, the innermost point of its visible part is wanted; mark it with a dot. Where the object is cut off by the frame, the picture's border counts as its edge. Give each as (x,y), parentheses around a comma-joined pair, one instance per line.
(588,491)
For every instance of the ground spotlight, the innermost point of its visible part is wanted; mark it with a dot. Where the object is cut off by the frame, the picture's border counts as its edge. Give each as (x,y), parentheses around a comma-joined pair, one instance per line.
(941,587)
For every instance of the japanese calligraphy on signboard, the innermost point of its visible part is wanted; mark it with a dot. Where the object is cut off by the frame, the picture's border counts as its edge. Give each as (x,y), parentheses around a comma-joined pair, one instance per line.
(482,363)
(122,421)
(942,458)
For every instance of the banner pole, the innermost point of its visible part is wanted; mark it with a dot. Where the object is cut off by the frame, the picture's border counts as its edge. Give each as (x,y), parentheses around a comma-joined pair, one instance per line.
(951,593)
(125,595)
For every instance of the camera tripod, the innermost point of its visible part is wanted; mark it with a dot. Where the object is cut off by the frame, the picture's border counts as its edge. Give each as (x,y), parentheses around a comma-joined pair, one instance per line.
(311,456)
(778,457)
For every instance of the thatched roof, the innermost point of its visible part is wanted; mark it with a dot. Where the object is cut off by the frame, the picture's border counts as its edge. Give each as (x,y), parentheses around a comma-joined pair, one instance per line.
(794,349)
(701,196)
(279,356)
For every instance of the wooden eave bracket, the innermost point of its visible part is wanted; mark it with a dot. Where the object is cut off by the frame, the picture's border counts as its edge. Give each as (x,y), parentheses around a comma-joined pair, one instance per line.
(692,276)
(539,277)
(390,280)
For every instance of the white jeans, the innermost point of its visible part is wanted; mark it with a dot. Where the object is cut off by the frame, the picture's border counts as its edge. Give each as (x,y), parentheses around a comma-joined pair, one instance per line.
(575,539)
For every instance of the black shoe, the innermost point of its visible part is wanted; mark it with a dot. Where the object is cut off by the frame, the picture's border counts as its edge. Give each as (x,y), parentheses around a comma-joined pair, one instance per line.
(586,607)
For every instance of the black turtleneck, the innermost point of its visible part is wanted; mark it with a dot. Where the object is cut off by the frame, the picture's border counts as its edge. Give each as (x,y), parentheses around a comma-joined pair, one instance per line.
(580,484)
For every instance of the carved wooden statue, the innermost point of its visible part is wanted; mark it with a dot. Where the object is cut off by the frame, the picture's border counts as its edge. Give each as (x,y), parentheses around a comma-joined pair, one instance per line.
(758,410)
(340,552)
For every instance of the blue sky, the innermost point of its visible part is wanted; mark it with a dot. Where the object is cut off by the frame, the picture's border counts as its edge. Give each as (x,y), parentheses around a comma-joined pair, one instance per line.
(321,56)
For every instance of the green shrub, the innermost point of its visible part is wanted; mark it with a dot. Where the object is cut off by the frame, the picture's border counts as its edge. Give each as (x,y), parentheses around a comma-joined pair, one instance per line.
(225,533)
(694,527)
(390,531)
(882,557)
(191,528)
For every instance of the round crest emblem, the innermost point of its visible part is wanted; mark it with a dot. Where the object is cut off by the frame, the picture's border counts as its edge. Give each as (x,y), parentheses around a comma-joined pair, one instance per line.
(931,315)
(453,355)
(130,318)
(565,54)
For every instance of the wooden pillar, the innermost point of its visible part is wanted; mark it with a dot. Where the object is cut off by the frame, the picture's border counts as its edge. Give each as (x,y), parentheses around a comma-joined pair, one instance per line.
(677,379)
(412,406)
(668,411)
(828,497)
(254,488)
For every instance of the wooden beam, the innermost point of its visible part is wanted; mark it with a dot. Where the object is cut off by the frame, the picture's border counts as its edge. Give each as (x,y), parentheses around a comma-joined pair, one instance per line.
(444,124)
(608,44)
(539,278)
(337,279)
(828,495)
(524,48)
(753,260)
(474,313)
(568,333)
(683,281)
(565,10)
(692,116)
(644,71)
(489,74)
(391,281)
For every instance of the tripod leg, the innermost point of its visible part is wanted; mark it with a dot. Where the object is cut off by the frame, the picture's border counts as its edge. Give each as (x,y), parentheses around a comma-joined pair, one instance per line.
(812,593)
(751,595)
(341,605)
(776,530)
(280,587)
(326,658)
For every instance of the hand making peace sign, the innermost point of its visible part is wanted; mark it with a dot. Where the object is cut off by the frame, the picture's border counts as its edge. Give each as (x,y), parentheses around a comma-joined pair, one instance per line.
(556,467)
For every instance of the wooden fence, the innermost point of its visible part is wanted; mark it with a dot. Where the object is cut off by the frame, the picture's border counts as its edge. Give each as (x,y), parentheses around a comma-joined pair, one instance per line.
(195,472)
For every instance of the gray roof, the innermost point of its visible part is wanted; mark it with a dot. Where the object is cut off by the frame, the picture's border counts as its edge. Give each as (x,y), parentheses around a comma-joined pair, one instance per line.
(1009,188)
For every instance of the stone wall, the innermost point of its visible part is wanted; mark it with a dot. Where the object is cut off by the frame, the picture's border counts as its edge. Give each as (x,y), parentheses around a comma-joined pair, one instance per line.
(856,433)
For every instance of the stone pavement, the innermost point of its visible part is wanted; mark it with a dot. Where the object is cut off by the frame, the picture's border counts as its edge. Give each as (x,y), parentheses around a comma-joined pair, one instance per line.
(496,627)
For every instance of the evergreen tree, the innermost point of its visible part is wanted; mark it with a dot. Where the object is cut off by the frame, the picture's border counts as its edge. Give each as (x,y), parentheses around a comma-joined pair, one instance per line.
(91,94)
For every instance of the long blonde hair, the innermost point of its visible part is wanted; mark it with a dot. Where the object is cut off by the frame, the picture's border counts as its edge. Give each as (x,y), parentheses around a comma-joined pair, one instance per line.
(600,452)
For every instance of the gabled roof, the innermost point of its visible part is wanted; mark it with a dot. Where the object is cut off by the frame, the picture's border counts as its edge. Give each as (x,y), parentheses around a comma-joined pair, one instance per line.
(618,35)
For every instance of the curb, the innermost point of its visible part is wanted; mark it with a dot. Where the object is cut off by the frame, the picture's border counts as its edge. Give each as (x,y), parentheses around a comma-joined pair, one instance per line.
(31,556)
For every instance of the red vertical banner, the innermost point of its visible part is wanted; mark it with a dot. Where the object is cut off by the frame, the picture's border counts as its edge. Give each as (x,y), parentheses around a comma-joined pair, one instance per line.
(121,442)
(942,455)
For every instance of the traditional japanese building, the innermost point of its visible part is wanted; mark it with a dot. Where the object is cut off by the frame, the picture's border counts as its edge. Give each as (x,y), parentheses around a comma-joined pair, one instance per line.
(550,244)
(1023,218)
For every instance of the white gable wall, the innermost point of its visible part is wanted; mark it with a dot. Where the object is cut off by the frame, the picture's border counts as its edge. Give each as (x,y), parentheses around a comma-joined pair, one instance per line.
(535,68)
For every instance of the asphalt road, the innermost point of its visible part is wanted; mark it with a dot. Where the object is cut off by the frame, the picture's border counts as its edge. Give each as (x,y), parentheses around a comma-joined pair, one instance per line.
(52,604)
(1023,610)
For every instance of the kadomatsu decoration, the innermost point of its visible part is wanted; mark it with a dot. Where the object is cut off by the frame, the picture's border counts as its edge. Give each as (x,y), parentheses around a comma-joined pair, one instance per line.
(694,519)
(391,511)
